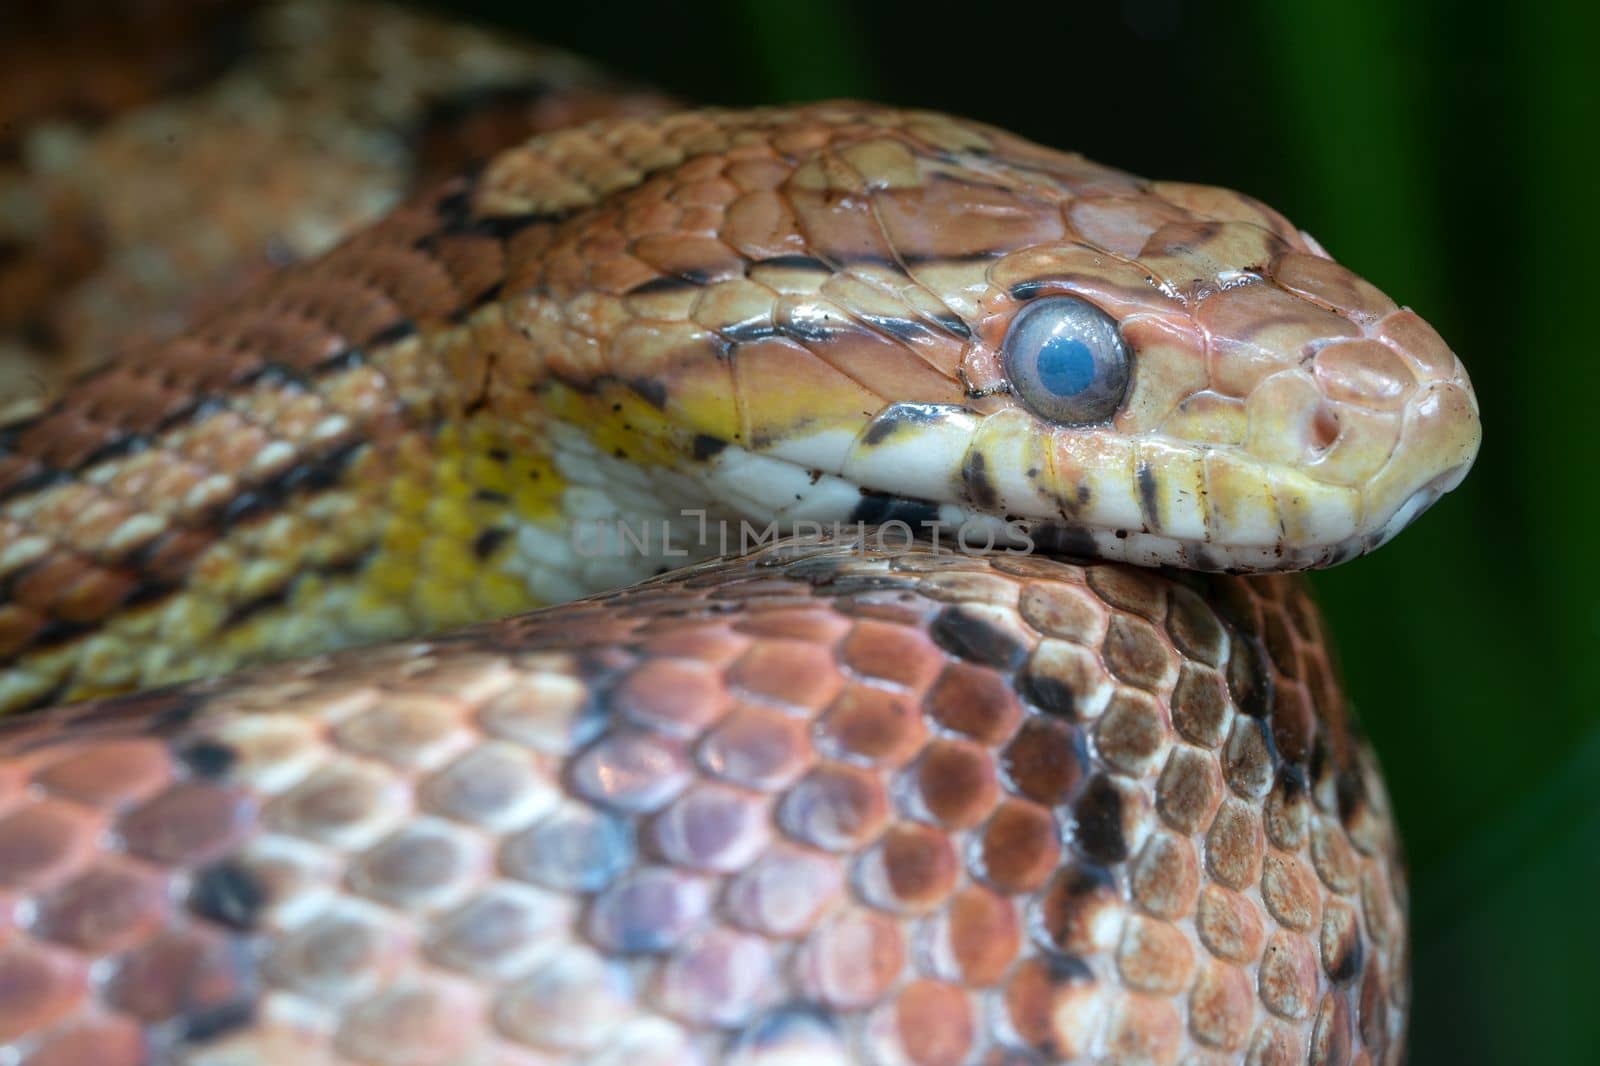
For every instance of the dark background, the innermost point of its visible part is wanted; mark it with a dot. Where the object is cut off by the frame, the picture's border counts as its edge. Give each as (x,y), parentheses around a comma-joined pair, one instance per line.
(1448,153)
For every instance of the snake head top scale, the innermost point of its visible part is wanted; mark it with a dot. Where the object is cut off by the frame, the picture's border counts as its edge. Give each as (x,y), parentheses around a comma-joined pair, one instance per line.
(844,312)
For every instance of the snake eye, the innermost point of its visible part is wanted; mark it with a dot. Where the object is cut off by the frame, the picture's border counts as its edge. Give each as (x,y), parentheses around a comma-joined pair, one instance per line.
(1067,360)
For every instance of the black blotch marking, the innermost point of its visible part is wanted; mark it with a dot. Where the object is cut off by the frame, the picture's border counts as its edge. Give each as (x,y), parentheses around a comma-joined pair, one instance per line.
(756,329)
(871,259)
(38,481)
(244,506)
(159,712)
(1292,783)
(454,208)
(668,283)
(150,590)
(1074,886)
(792,262)
(1050,695)
(970,636)
(486,542)
(59,631)
(653,391)
(1317,763)
(278,375)
(208,1023)
(143,558)
(1064,540)
(207,758)
(1344,966)
(279,596)
(809,332)
(880,430)
(980,487)
(906,329)
(126,445)
(876,508)
(344,359)
(1067,969)
(243,612)
(980,256)
(314,474)
(954,324)
(1352,796)
(393,333)
(456,219)
(706,446)
(487,296)
(1027,290)
(12,432)
(1097,821)
(499,455)
(448,112)
(1249,675)
(504,227)
(197,411)
(899,417)
(491,496)
(228,893)
(1147,494)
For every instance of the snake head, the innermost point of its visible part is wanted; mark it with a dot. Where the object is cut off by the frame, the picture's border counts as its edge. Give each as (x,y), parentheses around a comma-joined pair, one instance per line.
(847,312)
(1276,410)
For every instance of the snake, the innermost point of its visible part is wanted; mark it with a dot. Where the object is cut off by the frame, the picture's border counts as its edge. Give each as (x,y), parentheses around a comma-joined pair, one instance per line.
(801,584)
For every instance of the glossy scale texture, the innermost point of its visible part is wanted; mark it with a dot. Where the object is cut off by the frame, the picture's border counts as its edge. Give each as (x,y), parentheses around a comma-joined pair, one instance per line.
(781,315)
(823,804)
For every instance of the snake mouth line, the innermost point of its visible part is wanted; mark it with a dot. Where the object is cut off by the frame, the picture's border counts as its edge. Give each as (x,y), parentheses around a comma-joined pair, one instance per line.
(1418,502)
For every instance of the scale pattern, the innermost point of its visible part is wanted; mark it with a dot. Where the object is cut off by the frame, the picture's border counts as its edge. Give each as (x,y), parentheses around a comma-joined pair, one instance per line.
(156,156)
(777,315)
(827,803)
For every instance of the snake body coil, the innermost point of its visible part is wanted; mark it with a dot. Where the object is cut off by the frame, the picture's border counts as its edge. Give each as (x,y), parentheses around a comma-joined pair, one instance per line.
(836,800)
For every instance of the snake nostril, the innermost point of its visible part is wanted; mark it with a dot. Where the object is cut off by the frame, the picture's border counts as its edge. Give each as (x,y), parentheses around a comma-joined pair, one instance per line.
(1324,427)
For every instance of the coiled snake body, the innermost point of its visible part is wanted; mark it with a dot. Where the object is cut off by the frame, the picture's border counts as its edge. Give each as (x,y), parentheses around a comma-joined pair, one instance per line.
(840,799)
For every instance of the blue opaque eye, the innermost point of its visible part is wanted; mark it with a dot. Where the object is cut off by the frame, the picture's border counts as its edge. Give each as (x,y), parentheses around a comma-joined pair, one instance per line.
(1066,366)
(1067,360)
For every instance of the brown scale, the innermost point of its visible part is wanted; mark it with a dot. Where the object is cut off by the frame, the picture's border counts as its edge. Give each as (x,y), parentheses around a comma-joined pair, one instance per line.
(75,275)
(308,324)
(713,818)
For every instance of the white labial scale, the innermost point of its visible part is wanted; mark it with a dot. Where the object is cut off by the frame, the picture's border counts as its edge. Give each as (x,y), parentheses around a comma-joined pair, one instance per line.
(1177,489)
(824,449)
(756,484)
(920,456)
(765,488)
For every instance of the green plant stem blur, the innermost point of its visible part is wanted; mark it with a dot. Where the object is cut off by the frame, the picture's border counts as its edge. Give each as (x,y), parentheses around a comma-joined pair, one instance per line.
(1447,152)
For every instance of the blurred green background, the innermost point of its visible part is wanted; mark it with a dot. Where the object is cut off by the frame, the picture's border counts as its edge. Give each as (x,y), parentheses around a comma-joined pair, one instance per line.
(1447,152)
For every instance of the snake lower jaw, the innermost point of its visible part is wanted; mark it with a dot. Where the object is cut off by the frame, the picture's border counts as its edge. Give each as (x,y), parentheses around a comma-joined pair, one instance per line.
(1415,504)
